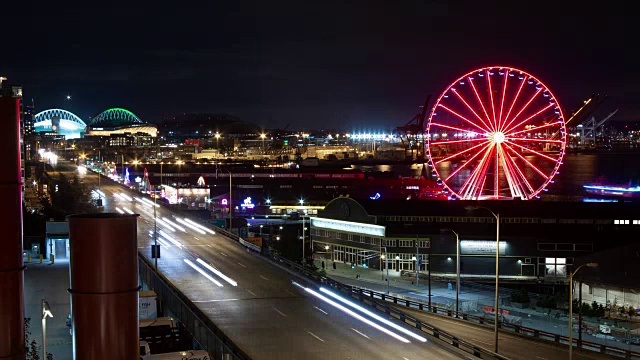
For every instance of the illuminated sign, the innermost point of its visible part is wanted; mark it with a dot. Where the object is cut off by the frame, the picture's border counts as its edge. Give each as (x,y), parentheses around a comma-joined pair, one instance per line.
(375,197)
(224,202)
(138,179)
(354,227)
(481,247)
(201,181)
(247,204)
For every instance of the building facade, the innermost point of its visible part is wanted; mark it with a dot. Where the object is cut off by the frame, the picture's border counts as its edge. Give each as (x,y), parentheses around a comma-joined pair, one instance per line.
(538,240)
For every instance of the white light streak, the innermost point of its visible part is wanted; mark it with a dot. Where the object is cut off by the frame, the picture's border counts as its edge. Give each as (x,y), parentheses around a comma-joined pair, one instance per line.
(119,210)
(375,316)
(357,316)
(200,226)
(167,226)
(126,196)
(217,272)
(190,263)
(190,226)
(174,224)
(169,238)
(128,210)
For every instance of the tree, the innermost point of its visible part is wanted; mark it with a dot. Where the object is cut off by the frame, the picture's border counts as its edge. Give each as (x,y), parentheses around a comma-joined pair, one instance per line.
(68,197)
(631,311)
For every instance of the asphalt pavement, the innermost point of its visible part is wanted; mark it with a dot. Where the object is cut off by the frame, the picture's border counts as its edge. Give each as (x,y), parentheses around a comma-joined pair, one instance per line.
(269,312)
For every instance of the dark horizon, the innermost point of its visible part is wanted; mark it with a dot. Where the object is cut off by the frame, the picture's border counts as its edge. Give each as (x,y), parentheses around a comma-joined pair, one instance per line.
(351,66)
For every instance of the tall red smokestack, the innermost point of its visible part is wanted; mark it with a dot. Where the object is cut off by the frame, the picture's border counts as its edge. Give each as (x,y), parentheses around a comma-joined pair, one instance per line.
(104,286)
(12,344)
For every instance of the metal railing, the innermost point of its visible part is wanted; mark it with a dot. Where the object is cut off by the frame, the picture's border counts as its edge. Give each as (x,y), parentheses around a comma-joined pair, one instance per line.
(203,330)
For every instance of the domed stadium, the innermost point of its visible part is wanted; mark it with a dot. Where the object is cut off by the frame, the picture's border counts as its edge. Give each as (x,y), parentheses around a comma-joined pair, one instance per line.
(118,121)
(60,122)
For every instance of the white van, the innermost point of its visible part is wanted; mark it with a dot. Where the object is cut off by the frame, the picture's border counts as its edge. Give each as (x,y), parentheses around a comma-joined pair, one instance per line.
(180,355)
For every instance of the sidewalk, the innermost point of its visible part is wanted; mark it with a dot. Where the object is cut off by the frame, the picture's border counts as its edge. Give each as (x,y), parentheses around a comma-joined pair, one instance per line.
(49,282)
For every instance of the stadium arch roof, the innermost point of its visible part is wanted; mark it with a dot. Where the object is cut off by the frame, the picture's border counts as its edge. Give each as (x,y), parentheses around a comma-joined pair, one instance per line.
(115,117)
(70,124)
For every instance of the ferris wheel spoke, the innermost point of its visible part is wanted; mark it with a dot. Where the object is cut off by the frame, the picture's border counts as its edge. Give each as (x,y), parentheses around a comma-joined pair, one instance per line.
(496,178)
(461,152)
(504,93)
(515,99)
(493,107)
(472,110)
(522,176)
(507,173)
(454,128)
(465,119)
(524,107)
(478,174)
(534,140)
(534,129)
(445,142)
(527,162)
(533,151)
(529,118)
(466,163)
(475,91)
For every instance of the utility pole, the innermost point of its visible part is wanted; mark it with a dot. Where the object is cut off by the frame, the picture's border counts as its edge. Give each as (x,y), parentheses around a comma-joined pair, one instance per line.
(230,204)
(429,274)
(417,262)
(303,244)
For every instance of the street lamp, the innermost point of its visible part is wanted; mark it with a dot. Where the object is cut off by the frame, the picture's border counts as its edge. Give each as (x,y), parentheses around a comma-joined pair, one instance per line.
(591,265)
(261,230)
(497,216)
(263,136)
(217,144)
(457,268)
(230,202)
(386,265)
(46,311)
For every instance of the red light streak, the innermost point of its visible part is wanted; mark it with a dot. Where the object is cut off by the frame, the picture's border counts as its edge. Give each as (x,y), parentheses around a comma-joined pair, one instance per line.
(524,79)
(466,163)
(479,100)
(504,93)
(527,162)
(533,151)
(464,118)
(470,108)
(533,129)
(453,128)
(529,118)
(457,141)
(493,108)
(523,108)
(460,152)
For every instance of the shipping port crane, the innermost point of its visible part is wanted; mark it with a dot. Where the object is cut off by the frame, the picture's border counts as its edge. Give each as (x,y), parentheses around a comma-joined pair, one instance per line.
(412,134)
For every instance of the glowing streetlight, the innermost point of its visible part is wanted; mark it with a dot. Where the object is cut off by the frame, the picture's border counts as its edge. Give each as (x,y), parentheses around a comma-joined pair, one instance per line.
(263,136)
(591,265)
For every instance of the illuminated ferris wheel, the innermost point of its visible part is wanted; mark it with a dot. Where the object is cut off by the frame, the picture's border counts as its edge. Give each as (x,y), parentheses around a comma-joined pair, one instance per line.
(496,133)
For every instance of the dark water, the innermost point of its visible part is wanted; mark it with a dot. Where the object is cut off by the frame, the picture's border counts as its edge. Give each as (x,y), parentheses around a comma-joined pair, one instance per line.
(577,170)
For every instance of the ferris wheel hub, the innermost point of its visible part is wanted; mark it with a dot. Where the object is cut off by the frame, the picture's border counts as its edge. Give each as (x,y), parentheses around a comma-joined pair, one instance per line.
(497,137)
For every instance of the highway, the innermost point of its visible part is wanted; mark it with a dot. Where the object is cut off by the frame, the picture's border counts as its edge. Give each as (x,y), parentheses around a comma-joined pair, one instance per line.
(265,310)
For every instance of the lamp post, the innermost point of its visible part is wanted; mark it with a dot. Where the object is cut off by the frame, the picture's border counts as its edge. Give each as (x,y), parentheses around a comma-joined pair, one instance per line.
(497,216)
(217,144)
(591,265)
(263,136)
(457,269)
(386,265)
(46,311)
(230,202)
(261,230)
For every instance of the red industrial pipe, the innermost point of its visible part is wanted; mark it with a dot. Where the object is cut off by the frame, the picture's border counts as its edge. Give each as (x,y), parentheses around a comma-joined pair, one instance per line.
(12,344)
(104,286)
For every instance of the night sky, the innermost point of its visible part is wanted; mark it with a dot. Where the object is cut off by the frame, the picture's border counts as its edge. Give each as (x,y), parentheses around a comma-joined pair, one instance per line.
(345,64)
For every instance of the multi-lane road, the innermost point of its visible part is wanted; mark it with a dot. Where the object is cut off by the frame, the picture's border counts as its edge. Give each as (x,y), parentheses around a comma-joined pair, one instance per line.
(265,310)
